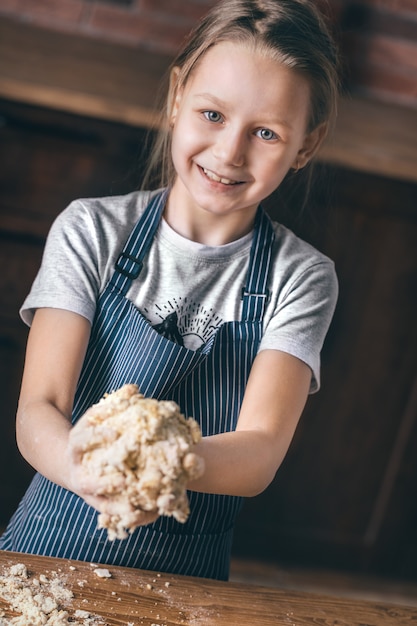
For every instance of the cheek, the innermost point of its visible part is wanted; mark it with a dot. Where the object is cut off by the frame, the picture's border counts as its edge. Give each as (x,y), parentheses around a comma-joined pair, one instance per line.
(177,149)
(275,169)
(186,145)
(283,162)
(182,140)
(273,173)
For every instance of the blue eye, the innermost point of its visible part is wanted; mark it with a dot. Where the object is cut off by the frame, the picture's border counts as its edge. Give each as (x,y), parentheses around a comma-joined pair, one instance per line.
(266,134)
(212,116)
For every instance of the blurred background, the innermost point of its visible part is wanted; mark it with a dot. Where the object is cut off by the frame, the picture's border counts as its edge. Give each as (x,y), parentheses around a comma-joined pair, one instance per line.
(78,85)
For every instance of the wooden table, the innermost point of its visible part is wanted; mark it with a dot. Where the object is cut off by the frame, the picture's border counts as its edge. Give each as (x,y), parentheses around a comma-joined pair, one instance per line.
(144,598)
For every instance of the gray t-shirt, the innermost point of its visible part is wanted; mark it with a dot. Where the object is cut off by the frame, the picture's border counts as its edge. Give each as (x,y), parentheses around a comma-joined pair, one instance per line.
(185,289)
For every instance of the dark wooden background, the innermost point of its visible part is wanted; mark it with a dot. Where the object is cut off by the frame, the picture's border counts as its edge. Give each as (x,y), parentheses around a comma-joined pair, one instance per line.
(345,496)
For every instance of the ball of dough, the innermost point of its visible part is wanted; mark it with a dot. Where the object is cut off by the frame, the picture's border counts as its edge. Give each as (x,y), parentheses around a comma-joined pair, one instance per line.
(140,449)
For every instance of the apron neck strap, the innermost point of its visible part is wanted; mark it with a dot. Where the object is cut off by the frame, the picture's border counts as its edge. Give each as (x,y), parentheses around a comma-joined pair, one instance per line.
(255,293)
(129,262)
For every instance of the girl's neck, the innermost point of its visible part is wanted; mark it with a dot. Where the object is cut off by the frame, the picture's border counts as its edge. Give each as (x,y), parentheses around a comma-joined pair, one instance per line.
(206,227)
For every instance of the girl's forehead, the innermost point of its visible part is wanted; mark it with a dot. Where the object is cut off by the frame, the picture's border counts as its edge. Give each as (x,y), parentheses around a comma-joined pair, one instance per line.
(238,77)
(242,66)
(234,58)
(237,50)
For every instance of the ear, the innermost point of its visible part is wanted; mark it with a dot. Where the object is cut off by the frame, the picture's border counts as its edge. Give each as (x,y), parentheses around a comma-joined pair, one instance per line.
(174,95)
(311,144)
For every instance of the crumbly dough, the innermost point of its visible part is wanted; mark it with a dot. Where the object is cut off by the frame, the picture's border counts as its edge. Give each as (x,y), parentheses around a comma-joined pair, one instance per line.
(39,601)
(141,451)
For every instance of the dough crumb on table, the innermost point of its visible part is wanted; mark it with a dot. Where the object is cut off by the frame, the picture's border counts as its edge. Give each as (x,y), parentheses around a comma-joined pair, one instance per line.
(38,601)
(102,572)
(140,451)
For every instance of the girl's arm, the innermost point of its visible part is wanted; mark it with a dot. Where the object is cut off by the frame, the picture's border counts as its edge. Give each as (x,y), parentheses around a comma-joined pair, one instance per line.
(55,353)
(244,462)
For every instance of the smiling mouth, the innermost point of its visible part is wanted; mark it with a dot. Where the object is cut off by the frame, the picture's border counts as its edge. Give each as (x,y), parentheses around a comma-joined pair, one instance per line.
(218,179)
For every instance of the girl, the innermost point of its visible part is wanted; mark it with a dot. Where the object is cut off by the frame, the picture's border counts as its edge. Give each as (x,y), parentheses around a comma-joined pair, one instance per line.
(190,291)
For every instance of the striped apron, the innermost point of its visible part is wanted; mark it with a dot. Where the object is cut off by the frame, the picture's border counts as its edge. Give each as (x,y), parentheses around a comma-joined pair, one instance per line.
(208,384)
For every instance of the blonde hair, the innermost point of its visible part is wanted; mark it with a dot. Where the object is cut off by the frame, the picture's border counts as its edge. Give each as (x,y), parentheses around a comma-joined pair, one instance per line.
(293,32)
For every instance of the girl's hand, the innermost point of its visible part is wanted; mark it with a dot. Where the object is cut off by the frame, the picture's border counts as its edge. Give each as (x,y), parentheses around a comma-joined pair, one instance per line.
(91,488)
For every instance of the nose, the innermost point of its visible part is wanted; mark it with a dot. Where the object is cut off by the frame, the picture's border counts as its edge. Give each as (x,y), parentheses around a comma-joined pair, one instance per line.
(230,147)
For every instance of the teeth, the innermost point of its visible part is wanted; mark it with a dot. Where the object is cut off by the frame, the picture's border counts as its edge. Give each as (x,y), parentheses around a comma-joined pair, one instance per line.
(218,179)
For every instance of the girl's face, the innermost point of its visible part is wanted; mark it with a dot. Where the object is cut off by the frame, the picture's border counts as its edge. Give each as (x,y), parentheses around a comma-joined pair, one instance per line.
(239,125)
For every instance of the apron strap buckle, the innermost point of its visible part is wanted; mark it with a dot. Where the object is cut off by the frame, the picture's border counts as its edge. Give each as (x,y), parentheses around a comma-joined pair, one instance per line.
(254,305)
(246,294)
(126,261)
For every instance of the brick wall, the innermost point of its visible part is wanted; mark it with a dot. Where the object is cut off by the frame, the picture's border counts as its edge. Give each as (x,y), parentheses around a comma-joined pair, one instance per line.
(158,25)
(379,37)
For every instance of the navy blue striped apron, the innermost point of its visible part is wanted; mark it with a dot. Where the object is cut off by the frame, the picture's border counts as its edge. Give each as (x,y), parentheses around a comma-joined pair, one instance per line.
(208,384)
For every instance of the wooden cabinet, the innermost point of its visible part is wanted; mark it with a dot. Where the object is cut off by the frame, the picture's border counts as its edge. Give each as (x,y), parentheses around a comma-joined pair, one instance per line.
(345,495)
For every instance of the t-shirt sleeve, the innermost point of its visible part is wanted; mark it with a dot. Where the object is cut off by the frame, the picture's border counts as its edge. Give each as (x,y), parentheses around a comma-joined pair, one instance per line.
(303,314)
(69,274)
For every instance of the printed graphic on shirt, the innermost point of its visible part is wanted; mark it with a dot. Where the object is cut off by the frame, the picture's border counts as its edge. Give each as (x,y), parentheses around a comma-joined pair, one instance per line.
(187,323)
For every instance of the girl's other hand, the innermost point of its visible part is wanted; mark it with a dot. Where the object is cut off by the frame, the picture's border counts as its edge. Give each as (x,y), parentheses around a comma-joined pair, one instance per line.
(103,493)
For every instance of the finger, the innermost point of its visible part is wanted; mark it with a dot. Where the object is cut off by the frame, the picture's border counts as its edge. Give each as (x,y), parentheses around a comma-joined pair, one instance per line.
(122,512)
(111,485)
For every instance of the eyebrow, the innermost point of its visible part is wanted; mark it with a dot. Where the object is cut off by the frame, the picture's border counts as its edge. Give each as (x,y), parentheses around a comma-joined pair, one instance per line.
(220,103)
(209,96)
